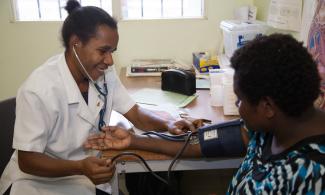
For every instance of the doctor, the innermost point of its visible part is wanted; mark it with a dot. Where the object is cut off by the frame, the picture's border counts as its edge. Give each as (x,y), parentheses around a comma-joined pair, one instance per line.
(65,100)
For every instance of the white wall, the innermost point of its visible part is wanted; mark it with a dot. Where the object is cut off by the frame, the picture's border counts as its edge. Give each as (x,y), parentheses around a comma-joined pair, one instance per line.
(308,10)
(26,45)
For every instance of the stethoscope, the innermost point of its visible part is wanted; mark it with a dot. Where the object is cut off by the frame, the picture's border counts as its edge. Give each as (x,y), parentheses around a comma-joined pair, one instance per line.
(101,122)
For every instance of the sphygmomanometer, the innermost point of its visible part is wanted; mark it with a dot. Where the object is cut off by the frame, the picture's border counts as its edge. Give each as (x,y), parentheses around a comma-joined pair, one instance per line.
(216,140)
(222,139)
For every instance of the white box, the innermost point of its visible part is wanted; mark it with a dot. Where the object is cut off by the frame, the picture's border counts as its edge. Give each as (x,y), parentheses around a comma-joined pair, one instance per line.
(236,33)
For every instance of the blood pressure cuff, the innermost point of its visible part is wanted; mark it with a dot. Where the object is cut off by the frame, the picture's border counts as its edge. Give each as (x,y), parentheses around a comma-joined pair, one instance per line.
(222,140)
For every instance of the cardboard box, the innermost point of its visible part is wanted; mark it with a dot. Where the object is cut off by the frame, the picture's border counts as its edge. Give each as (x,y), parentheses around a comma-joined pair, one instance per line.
(203,62)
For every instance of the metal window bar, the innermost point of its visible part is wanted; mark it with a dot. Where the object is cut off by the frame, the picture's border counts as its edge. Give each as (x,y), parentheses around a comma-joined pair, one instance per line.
(161,8)
(60,12)
(202,8)
(39,9)
(142,8)
(182,8)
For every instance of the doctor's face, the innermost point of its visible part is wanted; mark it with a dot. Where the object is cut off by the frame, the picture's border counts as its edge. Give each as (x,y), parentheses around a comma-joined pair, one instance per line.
(96,54)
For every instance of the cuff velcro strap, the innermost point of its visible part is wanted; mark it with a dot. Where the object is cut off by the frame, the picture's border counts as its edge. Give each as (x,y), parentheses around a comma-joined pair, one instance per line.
(222,140)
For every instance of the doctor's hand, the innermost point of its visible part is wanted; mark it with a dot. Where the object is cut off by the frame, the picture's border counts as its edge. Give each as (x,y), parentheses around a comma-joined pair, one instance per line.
(180,126)
(97,170)
(112,137)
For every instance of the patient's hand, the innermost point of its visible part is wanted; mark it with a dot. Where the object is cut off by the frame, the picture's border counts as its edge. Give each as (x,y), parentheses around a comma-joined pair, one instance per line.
(112,137)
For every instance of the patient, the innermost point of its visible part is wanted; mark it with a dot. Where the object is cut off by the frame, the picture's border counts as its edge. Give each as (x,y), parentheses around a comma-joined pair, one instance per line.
(276,82)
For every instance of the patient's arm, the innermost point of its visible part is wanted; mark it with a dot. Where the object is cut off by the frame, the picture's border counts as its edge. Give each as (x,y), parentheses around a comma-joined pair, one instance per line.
(115,137)
(231,140)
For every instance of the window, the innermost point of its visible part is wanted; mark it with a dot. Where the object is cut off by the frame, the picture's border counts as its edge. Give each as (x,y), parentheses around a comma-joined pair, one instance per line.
(53,10)
(160,9)
(47,10)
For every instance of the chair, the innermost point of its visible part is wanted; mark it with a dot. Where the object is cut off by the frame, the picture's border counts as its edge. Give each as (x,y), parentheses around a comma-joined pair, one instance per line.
(7,121)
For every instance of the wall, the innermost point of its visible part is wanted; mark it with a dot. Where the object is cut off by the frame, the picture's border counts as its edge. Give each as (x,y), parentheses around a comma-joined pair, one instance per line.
(262,13)
(26,45)
(262,9)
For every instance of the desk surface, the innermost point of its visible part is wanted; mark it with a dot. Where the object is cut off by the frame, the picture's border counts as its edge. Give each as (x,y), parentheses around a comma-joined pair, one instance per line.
(198,108)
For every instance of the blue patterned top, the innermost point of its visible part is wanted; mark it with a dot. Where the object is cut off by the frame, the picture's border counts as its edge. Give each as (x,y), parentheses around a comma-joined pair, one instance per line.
(298,170)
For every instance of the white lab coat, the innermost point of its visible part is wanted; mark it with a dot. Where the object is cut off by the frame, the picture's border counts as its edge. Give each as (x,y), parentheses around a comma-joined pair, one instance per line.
(53,118)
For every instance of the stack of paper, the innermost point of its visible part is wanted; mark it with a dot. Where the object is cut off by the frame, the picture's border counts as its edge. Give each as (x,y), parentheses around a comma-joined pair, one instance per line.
(158,97)
(153,67)
(149,67)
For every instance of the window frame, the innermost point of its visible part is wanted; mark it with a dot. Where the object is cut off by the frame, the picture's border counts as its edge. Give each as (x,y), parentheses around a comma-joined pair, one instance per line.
(119,16)
(14,15)
(116,13)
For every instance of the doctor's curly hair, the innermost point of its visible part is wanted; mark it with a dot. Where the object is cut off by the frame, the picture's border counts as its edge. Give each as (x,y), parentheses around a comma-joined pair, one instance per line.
(279,67)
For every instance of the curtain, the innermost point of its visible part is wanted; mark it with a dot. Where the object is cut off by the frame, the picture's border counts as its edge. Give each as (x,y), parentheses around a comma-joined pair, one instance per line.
(316,46)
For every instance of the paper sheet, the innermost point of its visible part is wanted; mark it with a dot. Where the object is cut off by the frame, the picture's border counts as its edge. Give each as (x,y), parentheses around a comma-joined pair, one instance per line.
(285,14)
(158,97)
(202,83)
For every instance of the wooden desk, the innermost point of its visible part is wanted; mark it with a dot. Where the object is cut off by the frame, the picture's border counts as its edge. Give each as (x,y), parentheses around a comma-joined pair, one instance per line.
(199,108)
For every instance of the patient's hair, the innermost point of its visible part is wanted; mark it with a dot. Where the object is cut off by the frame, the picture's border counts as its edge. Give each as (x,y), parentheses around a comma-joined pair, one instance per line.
(84,21)
(279,67)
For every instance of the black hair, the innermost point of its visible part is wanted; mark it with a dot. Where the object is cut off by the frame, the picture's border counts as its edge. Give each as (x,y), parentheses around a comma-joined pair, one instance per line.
(84,21)
(279,67)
